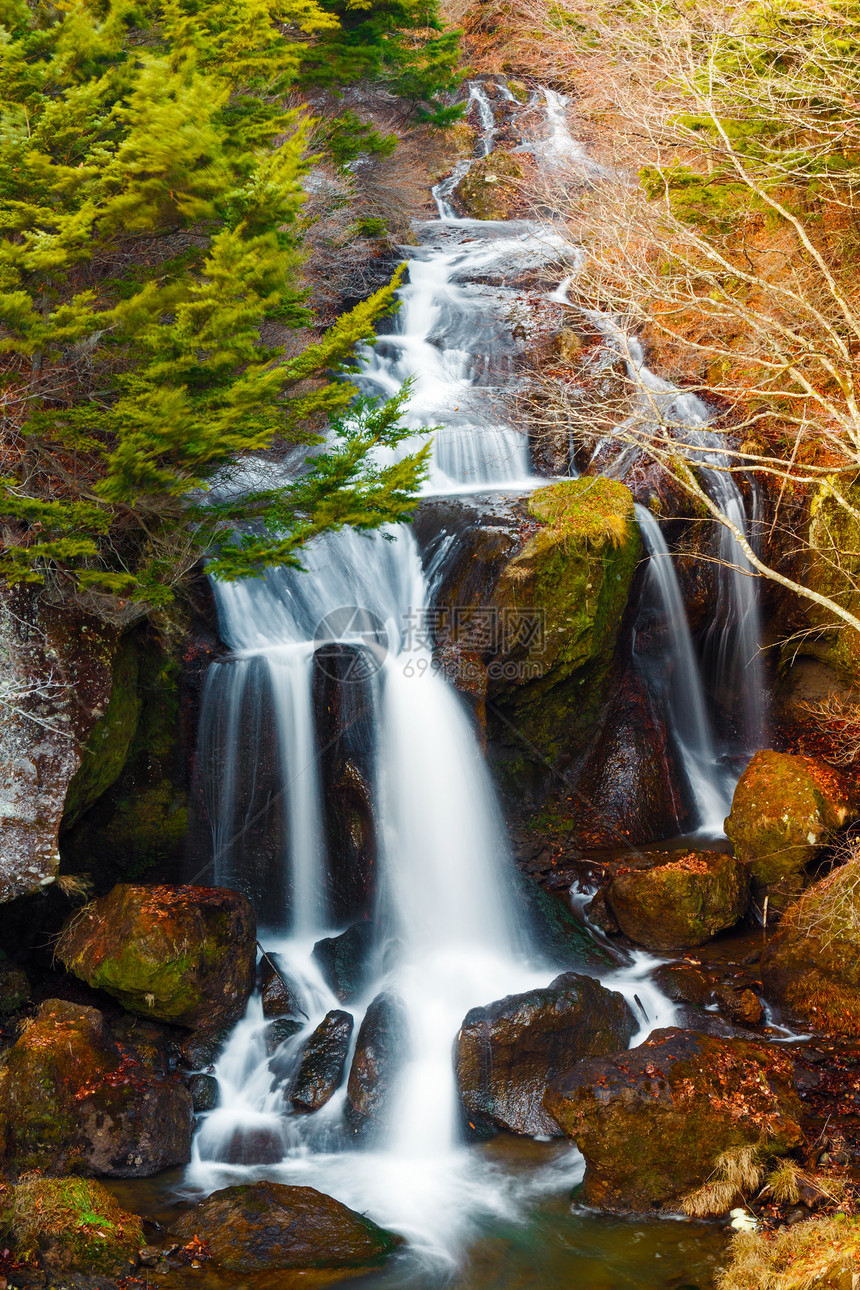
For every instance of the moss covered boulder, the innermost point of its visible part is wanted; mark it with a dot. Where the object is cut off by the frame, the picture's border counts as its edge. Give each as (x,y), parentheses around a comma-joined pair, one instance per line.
(784,810)
(492,187)
(267,1227)
(652,1121)
(559,604)
(812,965)
(73,1225)
(508,1052)
(684,900)
(73,1101)
(185,955)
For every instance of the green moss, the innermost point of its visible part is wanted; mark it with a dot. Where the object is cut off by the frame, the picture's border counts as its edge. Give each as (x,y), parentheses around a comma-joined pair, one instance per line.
(575,573)
(74,1225)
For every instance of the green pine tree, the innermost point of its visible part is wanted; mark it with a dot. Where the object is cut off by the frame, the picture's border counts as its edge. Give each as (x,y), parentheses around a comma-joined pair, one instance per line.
(150,246)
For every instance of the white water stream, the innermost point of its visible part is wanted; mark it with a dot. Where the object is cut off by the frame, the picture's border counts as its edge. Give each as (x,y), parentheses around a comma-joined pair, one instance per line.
(447,934)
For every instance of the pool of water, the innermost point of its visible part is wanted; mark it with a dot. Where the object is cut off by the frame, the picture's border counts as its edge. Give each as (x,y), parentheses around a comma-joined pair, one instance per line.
(544,1242)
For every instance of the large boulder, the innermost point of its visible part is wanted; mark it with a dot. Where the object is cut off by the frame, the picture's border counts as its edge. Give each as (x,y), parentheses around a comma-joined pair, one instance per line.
(651,1122)
(55,677)
(182,954)
(380,1051)
(73,1225)
(684,900)
(345,960)
(812,965)
(508,1052)
(784,810)
(492,188)
(73,1101)
(267,1227)
(322,1062)
(559,605)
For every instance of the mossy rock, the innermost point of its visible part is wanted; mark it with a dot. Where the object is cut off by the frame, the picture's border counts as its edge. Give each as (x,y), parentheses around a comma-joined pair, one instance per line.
(73,1102)
(186,955)
(572,576)
(138,819)
(812,965)
(683,901)
(106,749)
(491,187)
(268,1227)
(784,810)
(652,1121)
(14,989)
(73,1225)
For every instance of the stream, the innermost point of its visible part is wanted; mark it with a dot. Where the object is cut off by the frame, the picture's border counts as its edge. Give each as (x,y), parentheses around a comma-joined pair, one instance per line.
(446,931)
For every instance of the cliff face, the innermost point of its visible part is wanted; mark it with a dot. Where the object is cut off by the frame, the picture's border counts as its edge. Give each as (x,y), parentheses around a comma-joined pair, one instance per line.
(55,683)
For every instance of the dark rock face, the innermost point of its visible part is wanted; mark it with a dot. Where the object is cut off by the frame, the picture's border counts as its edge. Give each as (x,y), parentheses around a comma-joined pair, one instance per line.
(651,1122)
(266,1227)
(282,1029)
(322,1064)
(380,1051)
(280,995)
(508,1052)
(204,1092)
(345,960)
(631,788)
(74,1102)
(557,931)
(201,1050)
(684,984)
(682,901)
(181,954)
(344,723)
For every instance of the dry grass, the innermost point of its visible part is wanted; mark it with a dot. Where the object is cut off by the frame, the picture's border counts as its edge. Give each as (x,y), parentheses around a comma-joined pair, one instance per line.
(796,1258)
(830,910)
(76,887)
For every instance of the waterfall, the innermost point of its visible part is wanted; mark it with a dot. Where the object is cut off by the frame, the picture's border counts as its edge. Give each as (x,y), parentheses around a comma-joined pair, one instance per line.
(444,929)
(733,651)
(679,684)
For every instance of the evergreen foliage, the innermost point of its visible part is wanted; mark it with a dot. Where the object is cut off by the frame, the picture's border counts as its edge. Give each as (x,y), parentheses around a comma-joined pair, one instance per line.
(401,43)
(150,247)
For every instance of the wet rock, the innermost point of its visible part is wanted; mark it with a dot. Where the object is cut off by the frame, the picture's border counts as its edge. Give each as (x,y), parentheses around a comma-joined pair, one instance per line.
(652,1121)
(74,1102)
(784,810)
(345,960)
(204,1092)
(183,954)
(73,1225)
(201,1050)
(812,965)
(280,995)
(322,1063)
(631,789)
(343,711)
(741,1005)
(156,1046)
(380,1050)
(507,1053)
(598,912)
(557,931)
(279,1032)
(683,984)
(682,901)
(266,1227)
(261,1145)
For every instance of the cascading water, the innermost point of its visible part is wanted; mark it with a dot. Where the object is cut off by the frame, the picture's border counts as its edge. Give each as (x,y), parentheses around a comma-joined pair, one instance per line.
(446,933)
(680,688)
(734,639)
